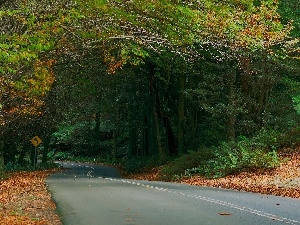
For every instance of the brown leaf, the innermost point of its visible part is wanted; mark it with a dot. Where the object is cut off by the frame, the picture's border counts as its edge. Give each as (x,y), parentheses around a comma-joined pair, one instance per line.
(224,214)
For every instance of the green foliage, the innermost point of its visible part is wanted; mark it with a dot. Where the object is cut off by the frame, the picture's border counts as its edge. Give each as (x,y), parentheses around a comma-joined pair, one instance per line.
(60,156)
(18,167)
(140,163)
(230,157)
(192,74)
(3,175)
(290,138)
(290,10)
(193,159)
(26,167)
(47,166)
(235,157)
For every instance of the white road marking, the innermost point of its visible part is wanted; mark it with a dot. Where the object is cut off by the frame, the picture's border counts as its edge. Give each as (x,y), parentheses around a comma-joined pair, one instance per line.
(199,197)
(215,201)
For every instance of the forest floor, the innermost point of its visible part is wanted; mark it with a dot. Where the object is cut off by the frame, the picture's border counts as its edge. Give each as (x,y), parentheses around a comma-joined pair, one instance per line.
(281,181)
(24,198)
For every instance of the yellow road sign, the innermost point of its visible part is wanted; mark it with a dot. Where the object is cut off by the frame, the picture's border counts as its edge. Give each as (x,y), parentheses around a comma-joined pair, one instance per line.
(36,141)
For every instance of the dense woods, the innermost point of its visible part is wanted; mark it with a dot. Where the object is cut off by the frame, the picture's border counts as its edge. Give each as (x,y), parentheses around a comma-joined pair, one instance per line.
(212,83)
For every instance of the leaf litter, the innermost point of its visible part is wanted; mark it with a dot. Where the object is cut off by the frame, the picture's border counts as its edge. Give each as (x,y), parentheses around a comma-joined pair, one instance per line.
(284,180)
(24,199)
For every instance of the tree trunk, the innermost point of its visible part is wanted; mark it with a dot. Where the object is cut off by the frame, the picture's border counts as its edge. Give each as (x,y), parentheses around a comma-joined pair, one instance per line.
(46,144)
(132,148)
(161,152)
(9,153)
(181,116)
(145,137)
(171,138)
(152,136)
(97,132)
(1,157)
(132,131)
(156,114)
(114,150)
(232,102)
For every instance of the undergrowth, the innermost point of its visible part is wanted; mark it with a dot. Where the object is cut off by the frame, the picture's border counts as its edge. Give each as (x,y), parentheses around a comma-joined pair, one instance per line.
(244,154)
(3,175)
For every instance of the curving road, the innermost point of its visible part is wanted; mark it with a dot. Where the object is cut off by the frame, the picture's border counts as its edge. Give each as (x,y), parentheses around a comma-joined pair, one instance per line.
(96,195)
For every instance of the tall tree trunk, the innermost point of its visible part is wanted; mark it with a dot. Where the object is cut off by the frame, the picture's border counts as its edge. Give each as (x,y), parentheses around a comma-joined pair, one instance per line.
(9,152)
(132,131)
(171,138)
(114,150)
(132,148)
(97,132)
(156,114)
(153,150)
(46,143)
(1,156)
(181,116)
(161,152)
(232,102)
(145,137)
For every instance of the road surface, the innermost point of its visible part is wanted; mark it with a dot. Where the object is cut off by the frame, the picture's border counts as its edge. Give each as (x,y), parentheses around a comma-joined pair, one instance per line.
(96,195)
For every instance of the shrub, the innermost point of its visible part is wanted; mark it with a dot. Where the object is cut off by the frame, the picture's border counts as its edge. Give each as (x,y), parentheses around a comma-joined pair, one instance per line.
(139,163)
(290,138)
(3,175)
(180,165)
(233,157)
(48,165)
(18,167)
(61,156)
(258,152)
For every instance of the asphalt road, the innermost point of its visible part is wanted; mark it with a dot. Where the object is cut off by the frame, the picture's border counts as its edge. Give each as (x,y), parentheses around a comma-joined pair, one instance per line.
(96,195)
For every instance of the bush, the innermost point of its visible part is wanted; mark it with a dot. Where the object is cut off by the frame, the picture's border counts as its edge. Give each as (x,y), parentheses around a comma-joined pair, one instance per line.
(47,166)
(3,175)
(18,167)
(140,163)
(228,158)
(60,156)
(290,139)
(236,157)
(179,166)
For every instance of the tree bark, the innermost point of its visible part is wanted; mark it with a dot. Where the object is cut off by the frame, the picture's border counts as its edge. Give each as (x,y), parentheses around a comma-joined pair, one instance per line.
(145,137)
(114,150)
(46,144)
(1,156)
(181,115)
(97,132)
(161,153)
(171,138)
(232,114)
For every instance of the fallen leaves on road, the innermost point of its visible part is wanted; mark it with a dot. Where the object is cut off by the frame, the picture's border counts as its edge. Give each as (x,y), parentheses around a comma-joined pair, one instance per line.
(224,214)
(24,199)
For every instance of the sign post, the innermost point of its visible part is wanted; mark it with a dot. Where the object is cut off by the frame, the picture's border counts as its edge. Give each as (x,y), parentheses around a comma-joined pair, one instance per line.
(36,141)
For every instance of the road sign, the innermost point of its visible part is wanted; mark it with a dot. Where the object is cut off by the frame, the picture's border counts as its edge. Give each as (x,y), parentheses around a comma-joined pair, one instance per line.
(36,141)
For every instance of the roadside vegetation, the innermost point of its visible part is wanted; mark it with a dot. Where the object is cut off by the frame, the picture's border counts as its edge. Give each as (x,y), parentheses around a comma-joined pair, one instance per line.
(189,89)
(205,80)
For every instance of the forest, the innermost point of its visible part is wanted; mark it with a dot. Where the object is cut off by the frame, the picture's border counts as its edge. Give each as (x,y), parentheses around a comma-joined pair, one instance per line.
(204,87)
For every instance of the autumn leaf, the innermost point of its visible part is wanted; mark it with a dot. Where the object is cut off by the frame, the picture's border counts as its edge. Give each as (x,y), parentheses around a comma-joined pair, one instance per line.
(281,181)
(224,214)
(24,199)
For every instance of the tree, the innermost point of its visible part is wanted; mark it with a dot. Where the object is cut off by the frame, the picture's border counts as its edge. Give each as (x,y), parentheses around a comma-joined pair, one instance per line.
(157,72)
(29,31)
